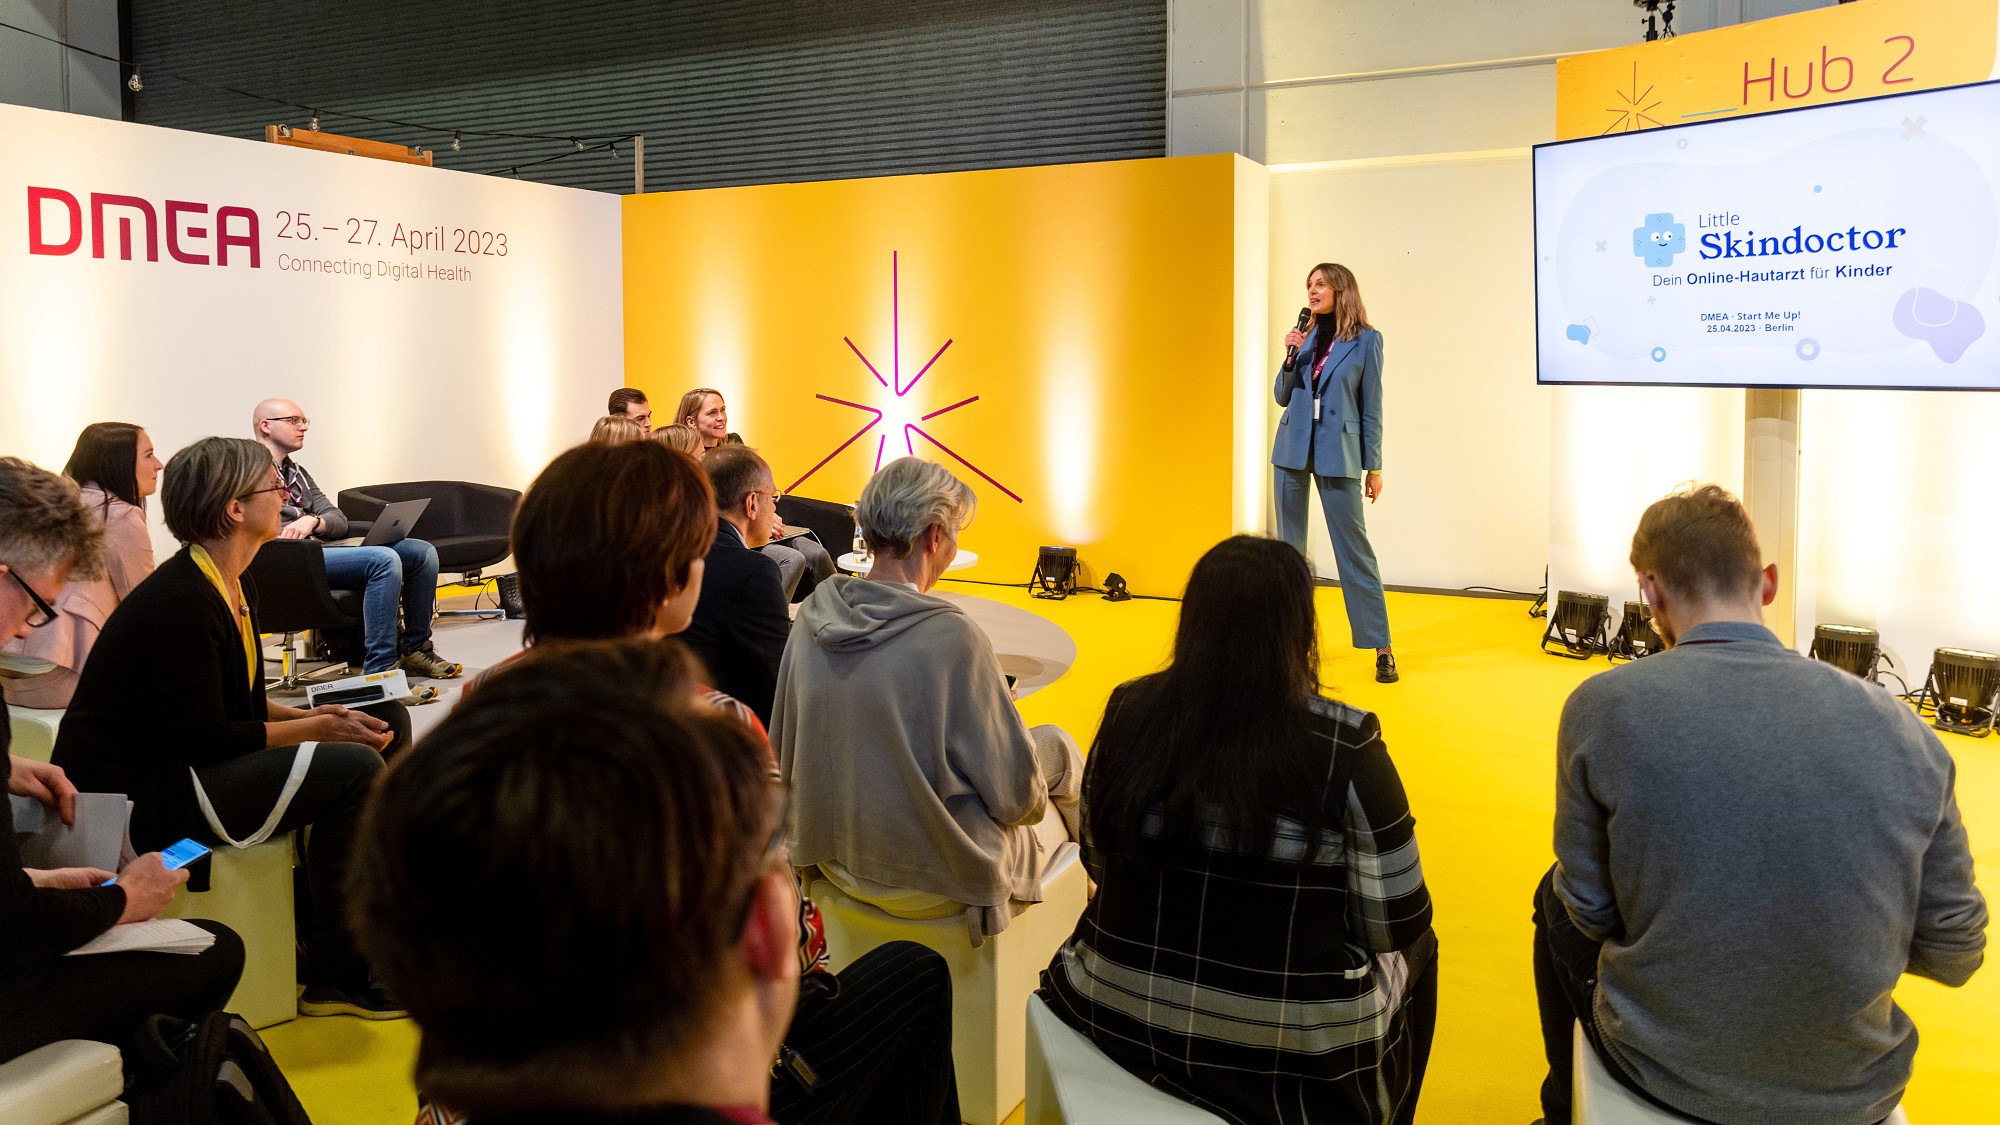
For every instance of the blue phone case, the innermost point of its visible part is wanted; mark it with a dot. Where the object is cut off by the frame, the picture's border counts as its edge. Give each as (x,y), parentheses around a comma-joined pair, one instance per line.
(173,858)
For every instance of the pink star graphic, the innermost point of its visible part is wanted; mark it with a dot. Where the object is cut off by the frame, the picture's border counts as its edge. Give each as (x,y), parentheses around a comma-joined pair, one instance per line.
(911,431)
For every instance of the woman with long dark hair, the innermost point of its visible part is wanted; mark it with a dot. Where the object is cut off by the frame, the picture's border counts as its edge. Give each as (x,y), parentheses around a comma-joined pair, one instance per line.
(1257,871)
(1330,438)
(114,466)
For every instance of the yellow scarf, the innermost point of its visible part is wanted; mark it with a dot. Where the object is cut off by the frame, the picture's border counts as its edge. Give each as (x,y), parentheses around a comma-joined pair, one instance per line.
(252,658)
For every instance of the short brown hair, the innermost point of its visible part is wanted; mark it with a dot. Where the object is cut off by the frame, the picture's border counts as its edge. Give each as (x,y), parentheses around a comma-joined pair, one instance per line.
(622,398)
(615,428)
(1699,542)
(605,534)
(555,882)
(43,523)
(734,470)
(204,477)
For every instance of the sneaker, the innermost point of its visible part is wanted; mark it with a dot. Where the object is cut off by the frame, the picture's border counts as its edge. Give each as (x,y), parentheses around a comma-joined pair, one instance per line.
(426,662)
(1385,669)
(369,1003)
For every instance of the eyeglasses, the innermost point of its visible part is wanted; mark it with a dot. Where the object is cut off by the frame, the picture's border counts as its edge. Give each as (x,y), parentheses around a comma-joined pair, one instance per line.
(43,613)
(294,419)
(278,485)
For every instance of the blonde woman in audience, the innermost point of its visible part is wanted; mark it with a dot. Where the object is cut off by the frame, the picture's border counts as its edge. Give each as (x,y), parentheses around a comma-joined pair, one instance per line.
(616,429)
(703,410)
(892,713)
(114,465)
(675,436)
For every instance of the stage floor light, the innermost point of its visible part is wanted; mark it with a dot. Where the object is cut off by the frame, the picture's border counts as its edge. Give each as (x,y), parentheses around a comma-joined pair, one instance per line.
(1636,637)
(1055,574)
(1848,647)
(1579,625)
(1963,689)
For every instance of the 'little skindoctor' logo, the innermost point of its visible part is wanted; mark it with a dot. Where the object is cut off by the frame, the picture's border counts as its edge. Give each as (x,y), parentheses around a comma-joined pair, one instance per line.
(57,226)
(1659,239)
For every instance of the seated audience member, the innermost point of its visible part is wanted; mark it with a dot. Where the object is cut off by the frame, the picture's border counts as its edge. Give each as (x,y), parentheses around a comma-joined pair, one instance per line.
(47,537)
(665,981)
(630,402)
(609,542)
(802,562)
(892,713)
(680,438)
(616,429)
(171,712)
(404,574)
(740,624)
(113,463)
(1227,788)
(1751,847)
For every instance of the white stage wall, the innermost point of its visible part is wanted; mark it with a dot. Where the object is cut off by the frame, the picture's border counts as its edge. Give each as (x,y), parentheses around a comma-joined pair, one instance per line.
(432,362)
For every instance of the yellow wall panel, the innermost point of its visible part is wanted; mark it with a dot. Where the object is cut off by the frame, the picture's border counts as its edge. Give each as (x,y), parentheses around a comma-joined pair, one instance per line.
(1088,309)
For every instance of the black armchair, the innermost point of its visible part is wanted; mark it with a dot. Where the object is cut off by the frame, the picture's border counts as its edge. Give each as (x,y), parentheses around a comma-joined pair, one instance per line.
(287,587)
(832,524)
(467,523)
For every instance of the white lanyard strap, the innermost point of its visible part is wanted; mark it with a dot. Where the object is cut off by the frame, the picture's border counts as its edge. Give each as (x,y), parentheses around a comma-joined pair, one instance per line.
(301,765)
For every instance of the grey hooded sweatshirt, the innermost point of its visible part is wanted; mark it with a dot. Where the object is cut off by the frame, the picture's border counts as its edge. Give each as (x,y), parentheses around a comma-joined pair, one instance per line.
(907,760)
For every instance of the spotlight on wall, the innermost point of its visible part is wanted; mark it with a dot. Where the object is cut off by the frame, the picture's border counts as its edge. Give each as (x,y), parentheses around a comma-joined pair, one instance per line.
(1578,625)
(1055,574)
(1636,636)
(1114,588)
(1849,648)
(1964,687)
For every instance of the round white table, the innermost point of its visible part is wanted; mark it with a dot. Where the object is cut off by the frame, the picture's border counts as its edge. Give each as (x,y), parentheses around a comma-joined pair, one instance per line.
(855,563)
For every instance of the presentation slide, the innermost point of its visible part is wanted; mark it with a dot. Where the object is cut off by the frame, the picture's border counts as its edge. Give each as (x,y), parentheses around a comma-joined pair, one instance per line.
(1846,245)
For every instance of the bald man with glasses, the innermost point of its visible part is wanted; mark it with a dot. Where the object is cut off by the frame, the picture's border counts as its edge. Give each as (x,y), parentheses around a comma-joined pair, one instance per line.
(403,575)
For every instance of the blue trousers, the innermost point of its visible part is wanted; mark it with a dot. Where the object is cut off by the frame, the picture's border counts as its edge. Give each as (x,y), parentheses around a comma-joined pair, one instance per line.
(1347,526)
(404,575)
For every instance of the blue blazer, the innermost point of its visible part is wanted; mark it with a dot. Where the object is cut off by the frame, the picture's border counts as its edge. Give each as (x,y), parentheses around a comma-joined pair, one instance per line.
(1348,439)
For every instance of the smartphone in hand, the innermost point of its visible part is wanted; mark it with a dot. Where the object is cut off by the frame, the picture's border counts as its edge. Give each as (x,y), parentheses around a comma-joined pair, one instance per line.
(173,858)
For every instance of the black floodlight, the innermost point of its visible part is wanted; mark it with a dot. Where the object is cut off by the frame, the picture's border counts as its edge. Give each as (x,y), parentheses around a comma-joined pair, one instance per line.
(1963,686)
(1636,635)
(1578,626)
(1055,574)
(1114,588)
(1849,648)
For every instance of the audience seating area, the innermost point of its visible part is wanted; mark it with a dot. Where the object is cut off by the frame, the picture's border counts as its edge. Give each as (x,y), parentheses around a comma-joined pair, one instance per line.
(1072,1082)
(34,732)
(1600,1099)
(250,891)
(74,1082)
(989,985)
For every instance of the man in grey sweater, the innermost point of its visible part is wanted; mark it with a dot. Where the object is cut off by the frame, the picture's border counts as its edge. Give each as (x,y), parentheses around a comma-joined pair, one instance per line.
(1751,847)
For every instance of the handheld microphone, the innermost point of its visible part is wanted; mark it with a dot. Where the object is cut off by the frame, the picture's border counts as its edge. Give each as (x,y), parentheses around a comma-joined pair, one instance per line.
(1292,353)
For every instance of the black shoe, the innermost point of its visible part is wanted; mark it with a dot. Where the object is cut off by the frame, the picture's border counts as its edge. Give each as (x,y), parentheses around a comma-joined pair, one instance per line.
(1385,669)
(369,1003)
(511,604)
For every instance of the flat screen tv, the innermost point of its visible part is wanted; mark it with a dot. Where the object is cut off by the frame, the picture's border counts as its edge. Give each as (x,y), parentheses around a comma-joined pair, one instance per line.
(1843,245)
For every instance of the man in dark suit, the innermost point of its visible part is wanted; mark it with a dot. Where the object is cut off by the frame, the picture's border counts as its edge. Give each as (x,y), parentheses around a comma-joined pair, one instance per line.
(740,624)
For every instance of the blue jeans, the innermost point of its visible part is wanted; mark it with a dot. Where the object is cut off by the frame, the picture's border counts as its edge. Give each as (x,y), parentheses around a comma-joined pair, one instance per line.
(404,574)
(1347,527)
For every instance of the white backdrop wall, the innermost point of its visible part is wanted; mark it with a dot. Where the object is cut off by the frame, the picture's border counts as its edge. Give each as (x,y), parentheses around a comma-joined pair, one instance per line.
(426,363)
(1397,136)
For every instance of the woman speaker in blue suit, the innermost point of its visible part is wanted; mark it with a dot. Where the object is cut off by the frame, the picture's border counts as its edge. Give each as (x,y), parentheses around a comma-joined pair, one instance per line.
(1330,436)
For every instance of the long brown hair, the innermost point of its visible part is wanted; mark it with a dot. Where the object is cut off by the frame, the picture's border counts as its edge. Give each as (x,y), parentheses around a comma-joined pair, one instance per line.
(1349,318)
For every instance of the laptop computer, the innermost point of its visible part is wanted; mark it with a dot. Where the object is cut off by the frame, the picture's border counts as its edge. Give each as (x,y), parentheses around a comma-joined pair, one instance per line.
(392,526)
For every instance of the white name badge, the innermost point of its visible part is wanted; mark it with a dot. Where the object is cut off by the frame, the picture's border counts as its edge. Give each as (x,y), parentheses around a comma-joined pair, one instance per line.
(1315,410)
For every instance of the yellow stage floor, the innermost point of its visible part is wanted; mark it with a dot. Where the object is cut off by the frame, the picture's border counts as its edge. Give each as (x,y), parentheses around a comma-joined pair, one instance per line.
(1472,728)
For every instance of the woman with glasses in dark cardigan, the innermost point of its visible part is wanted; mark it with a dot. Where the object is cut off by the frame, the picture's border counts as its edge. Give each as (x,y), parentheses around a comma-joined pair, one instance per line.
(1260,943)
(171,711)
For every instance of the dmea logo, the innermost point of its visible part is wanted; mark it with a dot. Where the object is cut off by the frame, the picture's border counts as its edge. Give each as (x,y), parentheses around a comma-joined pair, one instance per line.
(1659,239)
(56,227)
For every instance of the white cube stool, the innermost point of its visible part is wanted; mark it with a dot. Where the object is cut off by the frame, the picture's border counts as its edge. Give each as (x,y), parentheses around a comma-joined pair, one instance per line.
(34,732)
(1599,1099)
(1072,1082)
(74,1082)
(250,891)
(990,985)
